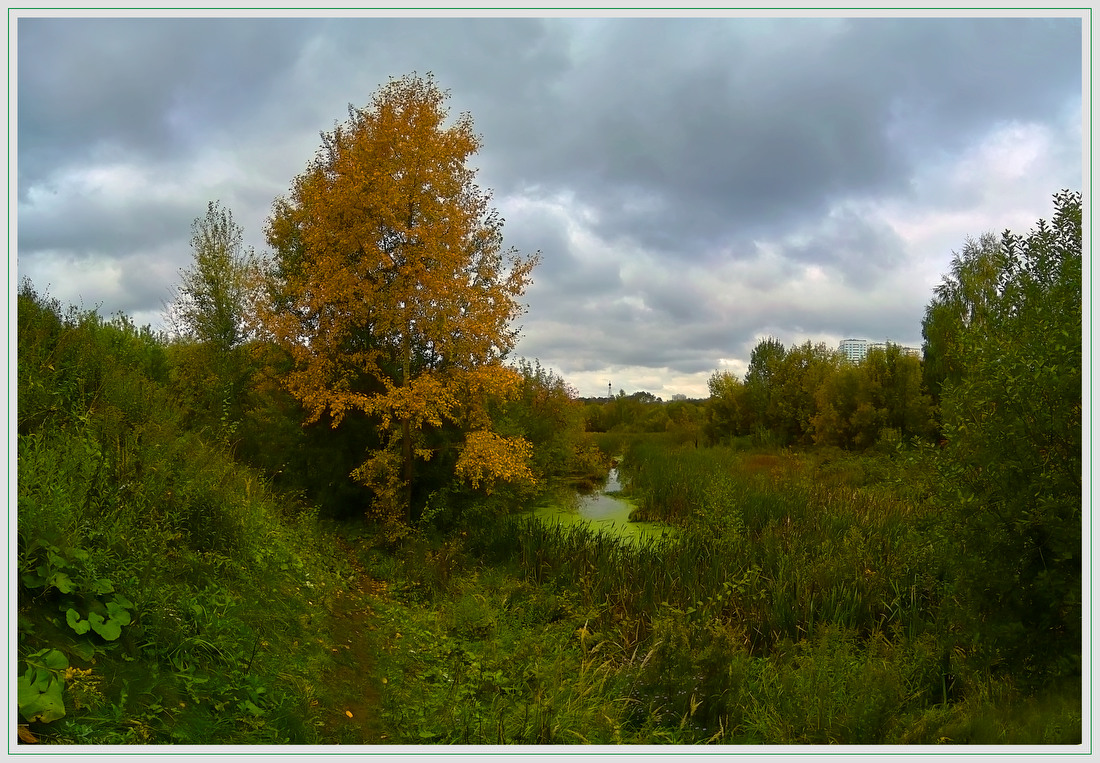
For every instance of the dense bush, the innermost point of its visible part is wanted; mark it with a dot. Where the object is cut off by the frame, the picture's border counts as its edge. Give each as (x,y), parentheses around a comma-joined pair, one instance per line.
(1010,320)
(173,584)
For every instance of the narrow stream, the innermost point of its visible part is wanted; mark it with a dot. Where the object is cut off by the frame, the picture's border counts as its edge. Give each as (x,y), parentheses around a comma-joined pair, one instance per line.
(608,513)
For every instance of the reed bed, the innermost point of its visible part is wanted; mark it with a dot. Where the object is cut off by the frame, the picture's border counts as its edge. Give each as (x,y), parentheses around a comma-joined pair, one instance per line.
(770,558)
(763,544)
(800,602)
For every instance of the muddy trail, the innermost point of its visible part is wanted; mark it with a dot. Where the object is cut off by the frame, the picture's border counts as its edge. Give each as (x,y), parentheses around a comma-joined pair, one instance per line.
(349,690)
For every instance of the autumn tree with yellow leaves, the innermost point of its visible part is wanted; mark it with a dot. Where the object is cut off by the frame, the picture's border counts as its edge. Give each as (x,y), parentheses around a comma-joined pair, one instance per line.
(394,295)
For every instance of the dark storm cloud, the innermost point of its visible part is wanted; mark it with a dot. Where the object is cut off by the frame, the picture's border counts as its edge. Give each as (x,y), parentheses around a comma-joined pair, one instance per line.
(682,132)
(692,184)
(150,88)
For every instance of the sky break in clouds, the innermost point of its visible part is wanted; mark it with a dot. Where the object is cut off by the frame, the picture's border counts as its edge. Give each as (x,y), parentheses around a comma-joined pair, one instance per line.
(693,184)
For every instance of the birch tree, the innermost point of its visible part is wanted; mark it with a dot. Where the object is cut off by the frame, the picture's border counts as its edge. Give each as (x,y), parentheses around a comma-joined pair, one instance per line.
(393,291)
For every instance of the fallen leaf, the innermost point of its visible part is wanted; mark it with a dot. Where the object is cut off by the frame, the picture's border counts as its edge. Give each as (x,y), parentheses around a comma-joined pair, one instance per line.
(25,735)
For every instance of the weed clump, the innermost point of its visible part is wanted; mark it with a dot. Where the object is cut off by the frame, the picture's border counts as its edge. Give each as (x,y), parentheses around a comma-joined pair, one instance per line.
(183,598)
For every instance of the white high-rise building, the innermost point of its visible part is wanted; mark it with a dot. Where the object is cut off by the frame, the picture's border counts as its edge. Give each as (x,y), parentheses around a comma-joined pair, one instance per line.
(854,349)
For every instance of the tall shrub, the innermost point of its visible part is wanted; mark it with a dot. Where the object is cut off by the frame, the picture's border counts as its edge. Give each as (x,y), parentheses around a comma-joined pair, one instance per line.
(1012,463)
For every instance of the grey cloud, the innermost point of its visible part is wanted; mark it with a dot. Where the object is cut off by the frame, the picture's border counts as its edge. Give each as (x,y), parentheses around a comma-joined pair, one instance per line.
(594,333)
(677,300)
(953,77)
(684,143)
(146,283)
(675,155)
(93,224)
(581,281)
(745,135)
(139,87)
(860,251)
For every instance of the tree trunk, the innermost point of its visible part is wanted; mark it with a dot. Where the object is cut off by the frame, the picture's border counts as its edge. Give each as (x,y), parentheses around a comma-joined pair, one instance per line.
(406,431)
(406,454)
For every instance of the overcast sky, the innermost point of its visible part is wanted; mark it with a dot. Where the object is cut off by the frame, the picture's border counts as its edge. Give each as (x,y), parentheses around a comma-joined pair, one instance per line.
(693,184)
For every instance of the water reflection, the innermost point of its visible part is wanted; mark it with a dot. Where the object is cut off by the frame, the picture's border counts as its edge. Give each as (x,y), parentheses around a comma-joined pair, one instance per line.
(608,513)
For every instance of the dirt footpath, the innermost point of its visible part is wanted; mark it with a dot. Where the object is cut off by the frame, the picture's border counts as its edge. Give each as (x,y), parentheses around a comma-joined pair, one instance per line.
(349,691)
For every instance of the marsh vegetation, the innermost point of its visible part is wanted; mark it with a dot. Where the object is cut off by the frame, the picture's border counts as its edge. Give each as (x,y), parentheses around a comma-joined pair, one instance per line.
(236,535)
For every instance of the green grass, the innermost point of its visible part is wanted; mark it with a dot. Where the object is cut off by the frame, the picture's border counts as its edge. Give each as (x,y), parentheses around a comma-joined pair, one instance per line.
(168,595)
(186,598)
(555,643)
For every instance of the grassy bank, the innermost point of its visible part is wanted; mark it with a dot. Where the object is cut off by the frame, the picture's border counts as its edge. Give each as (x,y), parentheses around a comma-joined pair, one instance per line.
(804,602)
(166,594)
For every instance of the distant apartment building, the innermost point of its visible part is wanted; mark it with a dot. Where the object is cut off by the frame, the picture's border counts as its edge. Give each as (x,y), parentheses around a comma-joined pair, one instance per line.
(856,349)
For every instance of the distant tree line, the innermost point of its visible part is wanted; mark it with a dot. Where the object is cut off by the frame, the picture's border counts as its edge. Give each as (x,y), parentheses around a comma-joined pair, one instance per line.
(642,412)
(809,394)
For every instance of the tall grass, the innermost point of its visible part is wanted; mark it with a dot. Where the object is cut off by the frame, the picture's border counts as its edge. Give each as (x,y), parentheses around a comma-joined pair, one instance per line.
(799,604)
(773,563)
(208,588)
(569,636)
(824,552)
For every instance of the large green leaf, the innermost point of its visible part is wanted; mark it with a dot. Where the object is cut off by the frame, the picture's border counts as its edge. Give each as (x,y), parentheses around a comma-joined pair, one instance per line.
(62,582)
(33,580)
(40,705)
(118,613)
(37,678)
(56,560)
(55,660)
(108,629)
(102,585)
(72,617)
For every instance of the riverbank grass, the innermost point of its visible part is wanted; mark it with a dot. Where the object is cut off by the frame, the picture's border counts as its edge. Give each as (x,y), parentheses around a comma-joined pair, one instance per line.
(166,595)
(559,642)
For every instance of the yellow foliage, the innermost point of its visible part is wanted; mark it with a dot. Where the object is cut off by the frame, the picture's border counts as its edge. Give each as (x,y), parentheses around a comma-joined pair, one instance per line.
(391,290)
(382,474)
(487,457)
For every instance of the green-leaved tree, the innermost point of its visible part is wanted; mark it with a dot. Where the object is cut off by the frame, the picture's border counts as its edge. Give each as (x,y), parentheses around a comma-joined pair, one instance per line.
(1012,422)
(210,318)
